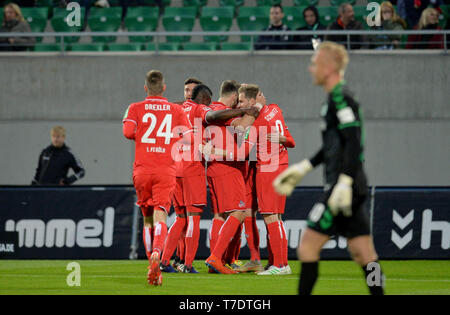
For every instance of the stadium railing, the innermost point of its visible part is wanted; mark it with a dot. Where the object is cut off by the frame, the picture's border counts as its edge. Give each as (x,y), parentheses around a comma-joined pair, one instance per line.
(159,43)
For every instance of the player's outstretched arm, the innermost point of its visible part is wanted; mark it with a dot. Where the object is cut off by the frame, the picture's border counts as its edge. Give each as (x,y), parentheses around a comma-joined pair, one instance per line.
(215,117)
(285,183)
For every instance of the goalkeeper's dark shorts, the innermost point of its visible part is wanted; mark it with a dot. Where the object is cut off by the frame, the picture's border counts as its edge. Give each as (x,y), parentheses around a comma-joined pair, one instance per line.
(321,220)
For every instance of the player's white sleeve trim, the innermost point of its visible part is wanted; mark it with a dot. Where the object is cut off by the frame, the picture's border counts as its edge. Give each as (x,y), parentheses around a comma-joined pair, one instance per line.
(346,115)
(133,121)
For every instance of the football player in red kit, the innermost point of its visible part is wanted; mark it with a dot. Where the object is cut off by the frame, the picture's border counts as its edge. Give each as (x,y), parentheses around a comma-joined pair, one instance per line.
(155,125)
(272,138)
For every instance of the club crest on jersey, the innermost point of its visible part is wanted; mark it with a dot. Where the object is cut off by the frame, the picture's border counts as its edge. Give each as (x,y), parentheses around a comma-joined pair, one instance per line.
(241,204)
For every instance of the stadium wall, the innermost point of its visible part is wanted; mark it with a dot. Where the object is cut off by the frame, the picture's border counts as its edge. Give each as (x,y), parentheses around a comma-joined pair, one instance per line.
(405,98)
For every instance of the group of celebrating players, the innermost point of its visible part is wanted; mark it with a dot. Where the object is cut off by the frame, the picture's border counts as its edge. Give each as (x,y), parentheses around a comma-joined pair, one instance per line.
(243,142)
(238,147)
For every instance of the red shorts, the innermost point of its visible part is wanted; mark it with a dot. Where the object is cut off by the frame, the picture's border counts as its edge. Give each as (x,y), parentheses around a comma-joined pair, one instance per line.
(194,190)
(269,202)
(228,192)
(154,191)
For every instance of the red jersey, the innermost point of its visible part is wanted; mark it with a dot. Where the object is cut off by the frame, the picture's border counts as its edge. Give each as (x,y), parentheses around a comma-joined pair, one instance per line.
(157,125)
(222,137)
(270,120)
(192,163)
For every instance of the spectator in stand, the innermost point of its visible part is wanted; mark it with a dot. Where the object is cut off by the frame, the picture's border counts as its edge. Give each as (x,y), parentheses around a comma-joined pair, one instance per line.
(14,22)
(311,16)
(411,10)
(56,160)
(428,21)
(276,24)
(346,21)
(390,21)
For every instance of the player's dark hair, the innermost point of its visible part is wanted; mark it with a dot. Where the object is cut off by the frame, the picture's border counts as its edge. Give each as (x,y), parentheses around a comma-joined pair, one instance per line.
(278,6)
(192,80)
(199,89)
(228,87)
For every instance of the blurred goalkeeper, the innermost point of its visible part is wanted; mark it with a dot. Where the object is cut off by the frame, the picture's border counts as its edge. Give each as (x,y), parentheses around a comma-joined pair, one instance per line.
(340,211)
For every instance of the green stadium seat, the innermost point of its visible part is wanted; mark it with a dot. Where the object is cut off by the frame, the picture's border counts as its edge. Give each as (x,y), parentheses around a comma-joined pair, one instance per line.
(361,13)
(232,3)
(195,3)
(104,20)
(125,47)
(47,47)
(327,15)
(179,19)
(87,47)
(253,19)
(236,46)
(163,46)
(337,3)
(305,3)
(140,19)
(59,24)
(200,46)
(293,17)
(216,19)
(36,18)
(107,12)
(267,2)
(443,18)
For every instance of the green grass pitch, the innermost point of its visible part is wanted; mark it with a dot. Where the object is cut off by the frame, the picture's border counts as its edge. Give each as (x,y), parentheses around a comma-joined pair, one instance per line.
(129,277)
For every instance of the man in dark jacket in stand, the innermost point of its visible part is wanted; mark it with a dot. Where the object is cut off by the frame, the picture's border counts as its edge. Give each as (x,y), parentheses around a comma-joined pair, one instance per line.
(346,21)
(55,162)
(311,16)
(274,42)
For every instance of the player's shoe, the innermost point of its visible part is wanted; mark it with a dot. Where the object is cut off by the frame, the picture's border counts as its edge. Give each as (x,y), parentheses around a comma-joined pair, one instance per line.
(273,270)
(187,269)
(154,276)
(286,270)
(176,262)
(168,268)
(216,264)
(251,266)
(180,267)
(211,270)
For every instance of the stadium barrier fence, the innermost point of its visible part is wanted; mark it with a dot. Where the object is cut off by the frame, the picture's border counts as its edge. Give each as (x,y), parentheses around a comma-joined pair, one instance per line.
(103,222)
(61,38)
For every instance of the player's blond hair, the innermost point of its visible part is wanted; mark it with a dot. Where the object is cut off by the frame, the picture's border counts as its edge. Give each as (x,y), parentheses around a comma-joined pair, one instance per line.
(58,130)
(338,53)
(155,82)
(250,90)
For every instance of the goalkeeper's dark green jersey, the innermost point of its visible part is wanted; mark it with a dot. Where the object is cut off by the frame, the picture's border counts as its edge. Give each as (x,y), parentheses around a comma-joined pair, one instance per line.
(343,138)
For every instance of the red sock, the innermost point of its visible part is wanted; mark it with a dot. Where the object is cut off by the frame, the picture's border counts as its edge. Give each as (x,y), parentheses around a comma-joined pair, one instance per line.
(252,236)
(234,248)
(237,245)
(214,233)
(284,243)
(269,249)
(275,239)
(159,236)
(227,232)
(192,236)
(172,239)
(181,246)
(147,237)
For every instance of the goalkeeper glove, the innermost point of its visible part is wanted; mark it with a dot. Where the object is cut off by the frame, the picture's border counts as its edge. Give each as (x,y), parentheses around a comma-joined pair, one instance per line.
(341,197)
(285,183)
